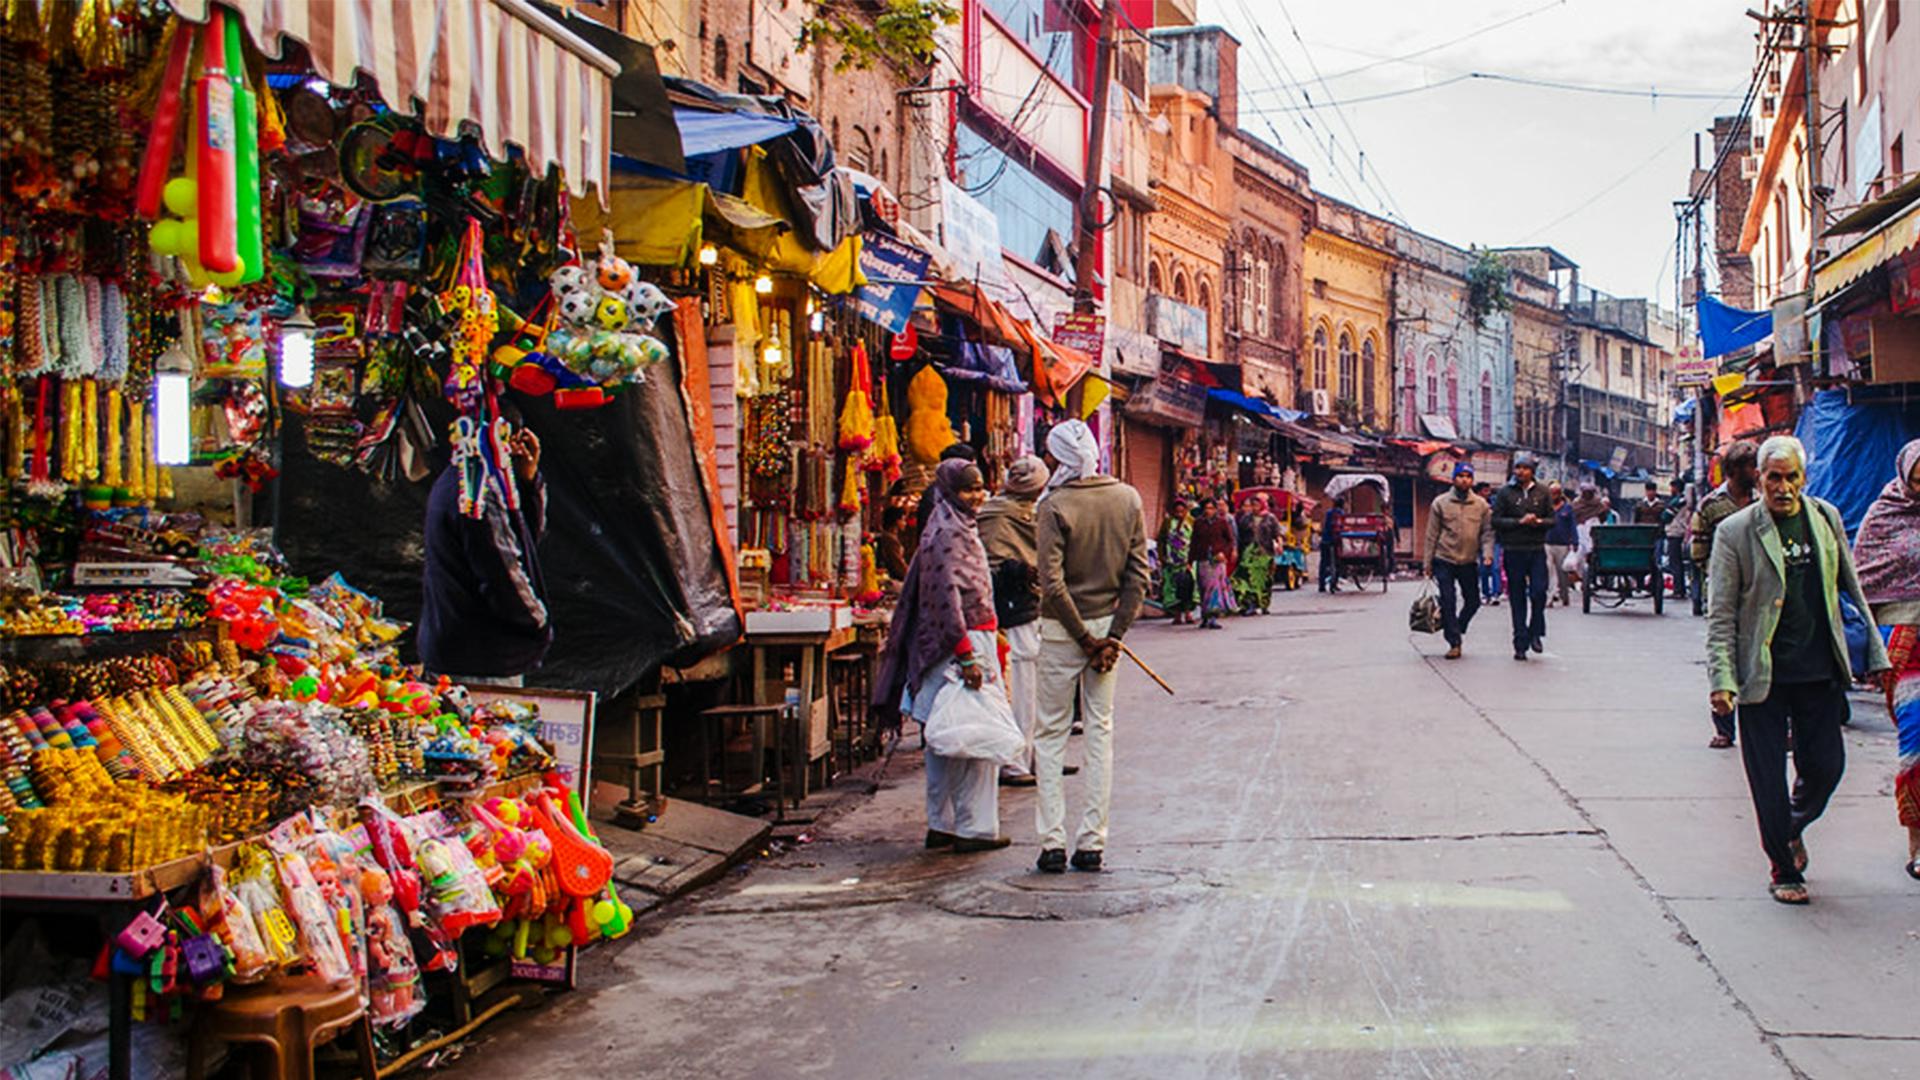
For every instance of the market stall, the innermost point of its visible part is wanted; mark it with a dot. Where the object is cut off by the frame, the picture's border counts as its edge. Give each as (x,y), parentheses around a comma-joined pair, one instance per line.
(227,281)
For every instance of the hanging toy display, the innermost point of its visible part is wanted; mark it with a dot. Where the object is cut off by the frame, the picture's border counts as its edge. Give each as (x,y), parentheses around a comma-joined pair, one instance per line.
(215,226)
(856,416)
(595,339)
(479,437)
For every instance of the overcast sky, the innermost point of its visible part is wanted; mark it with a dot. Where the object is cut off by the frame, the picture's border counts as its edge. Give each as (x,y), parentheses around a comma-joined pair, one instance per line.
(1497,163)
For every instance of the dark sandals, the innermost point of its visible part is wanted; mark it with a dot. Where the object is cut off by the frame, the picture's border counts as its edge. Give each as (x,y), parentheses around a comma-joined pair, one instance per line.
(1790,892)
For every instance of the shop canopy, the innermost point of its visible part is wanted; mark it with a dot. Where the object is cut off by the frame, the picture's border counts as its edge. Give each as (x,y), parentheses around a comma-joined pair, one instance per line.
(500,65)
(706,131)
(1889,239)
(1253,406)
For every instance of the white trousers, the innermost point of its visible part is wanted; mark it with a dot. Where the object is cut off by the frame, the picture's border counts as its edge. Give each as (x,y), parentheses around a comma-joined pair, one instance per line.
(1064,673)
(1023,681)
(963,796)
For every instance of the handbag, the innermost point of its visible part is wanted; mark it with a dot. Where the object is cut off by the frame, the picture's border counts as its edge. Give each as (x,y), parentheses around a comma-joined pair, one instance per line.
(1424,616)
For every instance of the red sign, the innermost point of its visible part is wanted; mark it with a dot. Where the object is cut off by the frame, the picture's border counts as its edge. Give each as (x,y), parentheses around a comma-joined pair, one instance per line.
(904,344)
(1084,331)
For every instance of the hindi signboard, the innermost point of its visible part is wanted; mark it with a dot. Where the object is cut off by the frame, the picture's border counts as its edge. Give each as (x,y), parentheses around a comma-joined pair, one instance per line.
(889,265)
(971,234)
(1178,324)
(1690,368)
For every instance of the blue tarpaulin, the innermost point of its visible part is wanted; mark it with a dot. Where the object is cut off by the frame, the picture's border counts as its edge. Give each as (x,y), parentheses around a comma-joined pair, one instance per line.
(1683,412)
(703,131)
(1724,329)
(1253,405)
(1851,446)
(989,364)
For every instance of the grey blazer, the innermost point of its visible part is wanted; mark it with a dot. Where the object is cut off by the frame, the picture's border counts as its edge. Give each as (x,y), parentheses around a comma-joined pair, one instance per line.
(1749,586)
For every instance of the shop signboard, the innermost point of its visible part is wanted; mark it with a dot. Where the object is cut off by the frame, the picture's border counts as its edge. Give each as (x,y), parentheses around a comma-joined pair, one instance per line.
(888,264)
(566,724)
(1182,402)
(1491,466)
(1178,324)
(1440,466)
(1692,369)
(971,234)
(1085,331)
(1130,352)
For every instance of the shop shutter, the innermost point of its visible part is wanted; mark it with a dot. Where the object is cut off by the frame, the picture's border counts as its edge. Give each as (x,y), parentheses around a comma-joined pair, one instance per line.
(1148,469)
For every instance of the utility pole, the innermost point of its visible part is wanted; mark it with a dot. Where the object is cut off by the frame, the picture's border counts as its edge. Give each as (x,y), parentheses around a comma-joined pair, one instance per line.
(1816,190)
(1085,264)
(1699,296)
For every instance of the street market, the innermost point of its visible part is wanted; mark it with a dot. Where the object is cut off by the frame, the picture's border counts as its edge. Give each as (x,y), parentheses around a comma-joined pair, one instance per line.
(486,477)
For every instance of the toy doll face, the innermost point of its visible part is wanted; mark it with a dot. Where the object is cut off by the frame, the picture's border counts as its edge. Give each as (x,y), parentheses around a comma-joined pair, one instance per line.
(611,314)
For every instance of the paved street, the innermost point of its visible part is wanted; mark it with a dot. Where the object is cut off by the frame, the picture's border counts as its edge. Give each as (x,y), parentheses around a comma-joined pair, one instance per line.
(1333,855)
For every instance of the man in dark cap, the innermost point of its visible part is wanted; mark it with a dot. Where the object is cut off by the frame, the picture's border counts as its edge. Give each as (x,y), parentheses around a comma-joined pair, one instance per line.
(1522,513)
(1459,541)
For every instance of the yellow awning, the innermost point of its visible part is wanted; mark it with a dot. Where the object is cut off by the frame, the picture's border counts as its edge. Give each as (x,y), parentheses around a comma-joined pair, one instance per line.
(1878,246)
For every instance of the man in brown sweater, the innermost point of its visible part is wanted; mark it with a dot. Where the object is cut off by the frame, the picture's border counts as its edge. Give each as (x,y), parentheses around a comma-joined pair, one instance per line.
(1459,542)
(1093,577)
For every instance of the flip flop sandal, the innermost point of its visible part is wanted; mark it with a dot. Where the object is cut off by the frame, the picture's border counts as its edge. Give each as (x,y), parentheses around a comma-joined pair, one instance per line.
(1913,868)
(1799,849)
(1719,742)
(1792,892)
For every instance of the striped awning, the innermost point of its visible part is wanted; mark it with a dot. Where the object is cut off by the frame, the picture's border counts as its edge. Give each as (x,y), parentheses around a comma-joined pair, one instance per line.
(1890,238)
(501,65)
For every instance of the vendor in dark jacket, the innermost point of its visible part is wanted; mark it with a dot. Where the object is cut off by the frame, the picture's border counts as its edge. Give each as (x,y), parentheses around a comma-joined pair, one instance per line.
(1522,514)
(483,611)
(1009,532)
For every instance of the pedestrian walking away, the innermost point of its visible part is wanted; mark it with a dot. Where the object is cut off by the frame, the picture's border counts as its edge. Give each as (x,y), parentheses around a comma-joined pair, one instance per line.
(943,632)
(1886,555)
(1007,532)
(1740,465)
(1491,582)
(1562,542)
(1522,513)
(1777,653)
(1093,576)
(1213,551)
(1675,519)
(1331,527)
(1459,543)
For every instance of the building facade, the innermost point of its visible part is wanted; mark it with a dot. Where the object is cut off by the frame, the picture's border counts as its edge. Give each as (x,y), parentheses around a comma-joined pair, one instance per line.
(1453,368)
(1188,232)
(1347,274)
(1273,211)
(1537,328)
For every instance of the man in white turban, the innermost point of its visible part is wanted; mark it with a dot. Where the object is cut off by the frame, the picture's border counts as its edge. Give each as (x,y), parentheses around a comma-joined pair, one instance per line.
(1093,577)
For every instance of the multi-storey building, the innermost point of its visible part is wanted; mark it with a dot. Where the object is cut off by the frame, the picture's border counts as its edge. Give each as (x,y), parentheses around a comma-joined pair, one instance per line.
(1537,327)
(1453,365)
(1347,273)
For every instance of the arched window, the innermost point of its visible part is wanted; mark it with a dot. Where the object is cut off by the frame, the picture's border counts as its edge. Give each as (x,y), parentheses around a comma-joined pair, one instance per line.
(1433,384)
(1319,358)
(1153,278)
(1346,367)
(1453,390)
(1369,370)
(1409,393)
(1180,286)
(1247,286)
(1780,239)
(1203,297)
(720,60)
(1486,405)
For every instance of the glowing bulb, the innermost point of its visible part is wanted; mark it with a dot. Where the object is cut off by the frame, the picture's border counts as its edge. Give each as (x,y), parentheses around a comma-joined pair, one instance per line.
(774,355)
(296,349)
(709,255)
(763,285)
(172,407)
(818,322)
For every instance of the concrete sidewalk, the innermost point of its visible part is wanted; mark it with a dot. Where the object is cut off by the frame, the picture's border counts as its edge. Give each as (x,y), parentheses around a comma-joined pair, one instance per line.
(1334,854)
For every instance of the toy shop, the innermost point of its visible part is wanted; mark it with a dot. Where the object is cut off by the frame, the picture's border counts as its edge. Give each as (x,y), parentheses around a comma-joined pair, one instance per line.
(255,288)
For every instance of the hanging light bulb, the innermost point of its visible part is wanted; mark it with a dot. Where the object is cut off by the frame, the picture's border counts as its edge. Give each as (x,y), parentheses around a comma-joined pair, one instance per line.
(774,355)
(763,284)
(709,255)
(817,322)
(172,407)
(296,349)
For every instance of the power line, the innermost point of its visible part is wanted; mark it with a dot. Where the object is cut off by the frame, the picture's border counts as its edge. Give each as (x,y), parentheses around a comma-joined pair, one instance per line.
(1359,146)
(1303,122)
(1487,29)
(1652,93)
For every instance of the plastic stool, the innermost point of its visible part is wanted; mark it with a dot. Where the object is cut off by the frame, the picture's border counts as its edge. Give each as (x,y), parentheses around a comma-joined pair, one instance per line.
(288,1016)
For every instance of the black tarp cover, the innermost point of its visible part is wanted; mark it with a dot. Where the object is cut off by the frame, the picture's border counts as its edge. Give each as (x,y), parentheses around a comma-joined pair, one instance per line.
(635,575)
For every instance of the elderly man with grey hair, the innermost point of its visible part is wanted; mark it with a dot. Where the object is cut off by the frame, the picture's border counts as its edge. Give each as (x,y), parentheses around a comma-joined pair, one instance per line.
(1777,651)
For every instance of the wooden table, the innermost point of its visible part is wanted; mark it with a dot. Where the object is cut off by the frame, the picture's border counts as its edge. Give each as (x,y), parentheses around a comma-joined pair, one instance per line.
(808,651)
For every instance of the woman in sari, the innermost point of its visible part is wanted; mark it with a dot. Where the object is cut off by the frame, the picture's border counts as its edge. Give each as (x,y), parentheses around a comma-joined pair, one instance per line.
(944,623)
(1175,550)
(1886,554)
(1212,558)
(1260,539)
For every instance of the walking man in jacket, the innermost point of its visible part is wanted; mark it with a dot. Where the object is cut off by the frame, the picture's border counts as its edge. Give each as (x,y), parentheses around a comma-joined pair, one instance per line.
(1008,532)
(1093,577)
(1522,514)
(1459,542)
(1777,652)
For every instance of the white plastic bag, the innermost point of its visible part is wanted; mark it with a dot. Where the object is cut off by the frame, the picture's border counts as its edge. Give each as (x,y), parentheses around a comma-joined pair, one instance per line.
(979,724)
